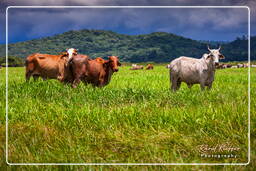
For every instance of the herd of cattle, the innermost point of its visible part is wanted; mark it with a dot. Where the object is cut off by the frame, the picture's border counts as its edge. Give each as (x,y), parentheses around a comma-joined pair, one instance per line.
(138,67)
(72,68)
(244,65)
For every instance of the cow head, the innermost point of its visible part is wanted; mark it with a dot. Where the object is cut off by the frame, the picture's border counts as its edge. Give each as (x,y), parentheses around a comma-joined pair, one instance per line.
(71,52)
(215,55)
(113,63)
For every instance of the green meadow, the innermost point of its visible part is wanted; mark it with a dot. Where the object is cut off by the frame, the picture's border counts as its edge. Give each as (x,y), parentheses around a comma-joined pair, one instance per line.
(134,119)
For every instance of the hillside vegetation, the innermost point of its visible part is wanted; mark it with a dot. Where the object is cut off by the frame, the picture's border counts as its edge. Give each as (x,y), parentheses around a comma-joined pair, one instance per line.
(157,46)
(12,61)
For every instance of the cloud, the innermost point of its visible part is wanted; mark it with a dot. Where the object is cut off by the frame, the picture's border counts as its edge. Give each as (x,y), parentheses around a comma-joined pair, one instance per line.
(42,22)
(37,23)
(219,19)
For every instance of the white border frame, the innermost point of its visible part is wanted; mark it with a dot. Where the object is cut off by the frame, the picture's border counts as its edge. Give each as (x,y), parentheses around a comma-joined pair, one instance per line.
(249,100)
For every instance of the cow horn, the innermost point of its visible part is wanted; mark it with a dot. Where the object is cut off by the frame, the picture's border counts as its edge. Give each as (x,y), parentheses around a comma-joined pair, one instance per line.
(208,48)
(219,47)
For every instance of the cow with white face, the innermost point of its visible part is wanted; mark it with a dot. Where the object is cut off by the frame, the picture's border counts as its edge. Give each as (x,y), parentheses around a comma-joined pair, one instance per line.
(215,54)
(194,71)
(71,52)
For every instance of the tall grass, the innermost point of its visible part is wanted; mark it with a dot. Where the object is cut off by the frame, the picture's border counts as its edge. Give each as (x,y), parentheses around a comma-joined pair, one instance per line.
(135,119)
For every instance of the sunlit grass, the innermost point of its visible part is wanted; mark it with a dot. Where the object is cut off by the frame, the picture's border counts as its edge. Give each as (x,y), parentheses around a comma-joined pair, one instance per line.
(135,119)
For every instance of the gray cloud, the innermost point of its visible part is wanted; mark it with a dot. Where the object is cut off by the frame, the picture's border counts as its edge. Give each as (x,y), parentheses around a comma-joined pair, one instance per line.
(44,22)
(41,23)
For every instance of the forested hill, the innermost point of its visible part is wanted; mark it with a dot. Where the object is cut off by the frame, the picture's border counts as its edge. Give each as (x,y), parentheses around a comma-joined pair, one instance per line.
(157,47)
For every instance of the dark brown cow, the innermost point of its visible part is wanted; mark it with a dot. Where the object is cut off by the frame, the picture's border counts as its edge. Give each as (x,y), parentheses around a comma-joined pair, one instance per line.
(97,72)
(48,66)
(149,67)
(229,65)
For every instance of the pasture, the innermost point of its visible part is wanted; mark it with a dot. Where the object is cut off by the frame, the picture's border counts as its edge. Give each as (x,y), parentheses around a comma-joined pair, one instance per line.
(134,119)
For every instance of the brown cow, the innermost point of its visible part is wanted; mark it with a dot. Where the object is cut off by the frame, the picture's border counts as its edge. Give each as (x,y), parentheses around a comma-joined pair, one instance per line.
(149,67)
(96,72)
(48,66)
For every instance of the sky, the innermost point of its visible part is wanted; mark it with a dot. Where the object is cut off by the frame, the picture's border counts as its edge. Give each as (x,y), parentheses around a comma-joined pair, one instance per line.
(218,24)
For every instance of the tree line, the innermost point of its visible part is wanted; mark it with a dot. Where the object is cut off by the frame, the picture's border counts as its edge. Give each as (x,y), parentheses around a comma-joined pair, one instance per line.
(155,47)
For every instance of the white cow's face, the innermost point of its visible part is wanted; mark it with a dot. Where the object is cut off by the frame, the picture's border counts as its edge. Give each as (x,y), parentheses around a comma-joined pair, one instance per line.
(71,52)
(216,55)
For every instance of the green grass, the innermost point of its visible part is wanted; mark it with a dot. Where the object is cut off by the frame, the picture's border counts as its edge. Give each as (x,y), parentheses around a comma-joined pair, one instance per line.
(135,119)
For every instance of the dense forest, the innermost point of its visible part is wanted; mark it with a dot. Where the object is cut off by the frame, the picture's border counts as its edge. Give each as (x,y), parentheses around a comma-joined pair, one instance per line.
(155,47)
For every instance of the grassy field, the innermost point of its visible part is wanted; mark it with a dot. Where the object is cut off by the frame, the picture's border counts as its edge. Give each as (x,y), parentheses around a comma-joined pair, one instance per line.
(135,119)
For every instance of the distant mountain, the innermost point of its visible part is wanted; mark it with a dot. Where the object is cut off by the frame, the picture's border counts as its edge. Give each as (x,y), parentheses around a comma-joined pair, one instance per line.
(157,46)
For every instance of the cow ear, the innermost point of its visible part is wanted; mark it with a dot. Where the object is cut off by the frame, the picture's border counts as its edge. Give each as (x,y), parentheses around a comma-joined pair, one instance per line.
(119,64)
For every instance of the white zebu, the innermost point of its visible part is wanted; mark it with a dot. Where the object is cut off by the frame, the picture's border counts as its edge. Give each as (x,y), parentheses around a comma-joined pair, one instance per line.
(194,71)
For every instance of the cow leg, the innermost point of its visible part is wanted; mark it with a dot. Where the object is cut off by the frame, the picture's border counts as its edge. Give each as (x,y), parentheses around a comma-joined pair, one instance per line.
(101,80)
(60,78)
(101,83)
(209,86)
(173,81)
(28,75)
(209,82)
(178,84)
(202,85)
(174,84)
(35,77)
(76,82)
